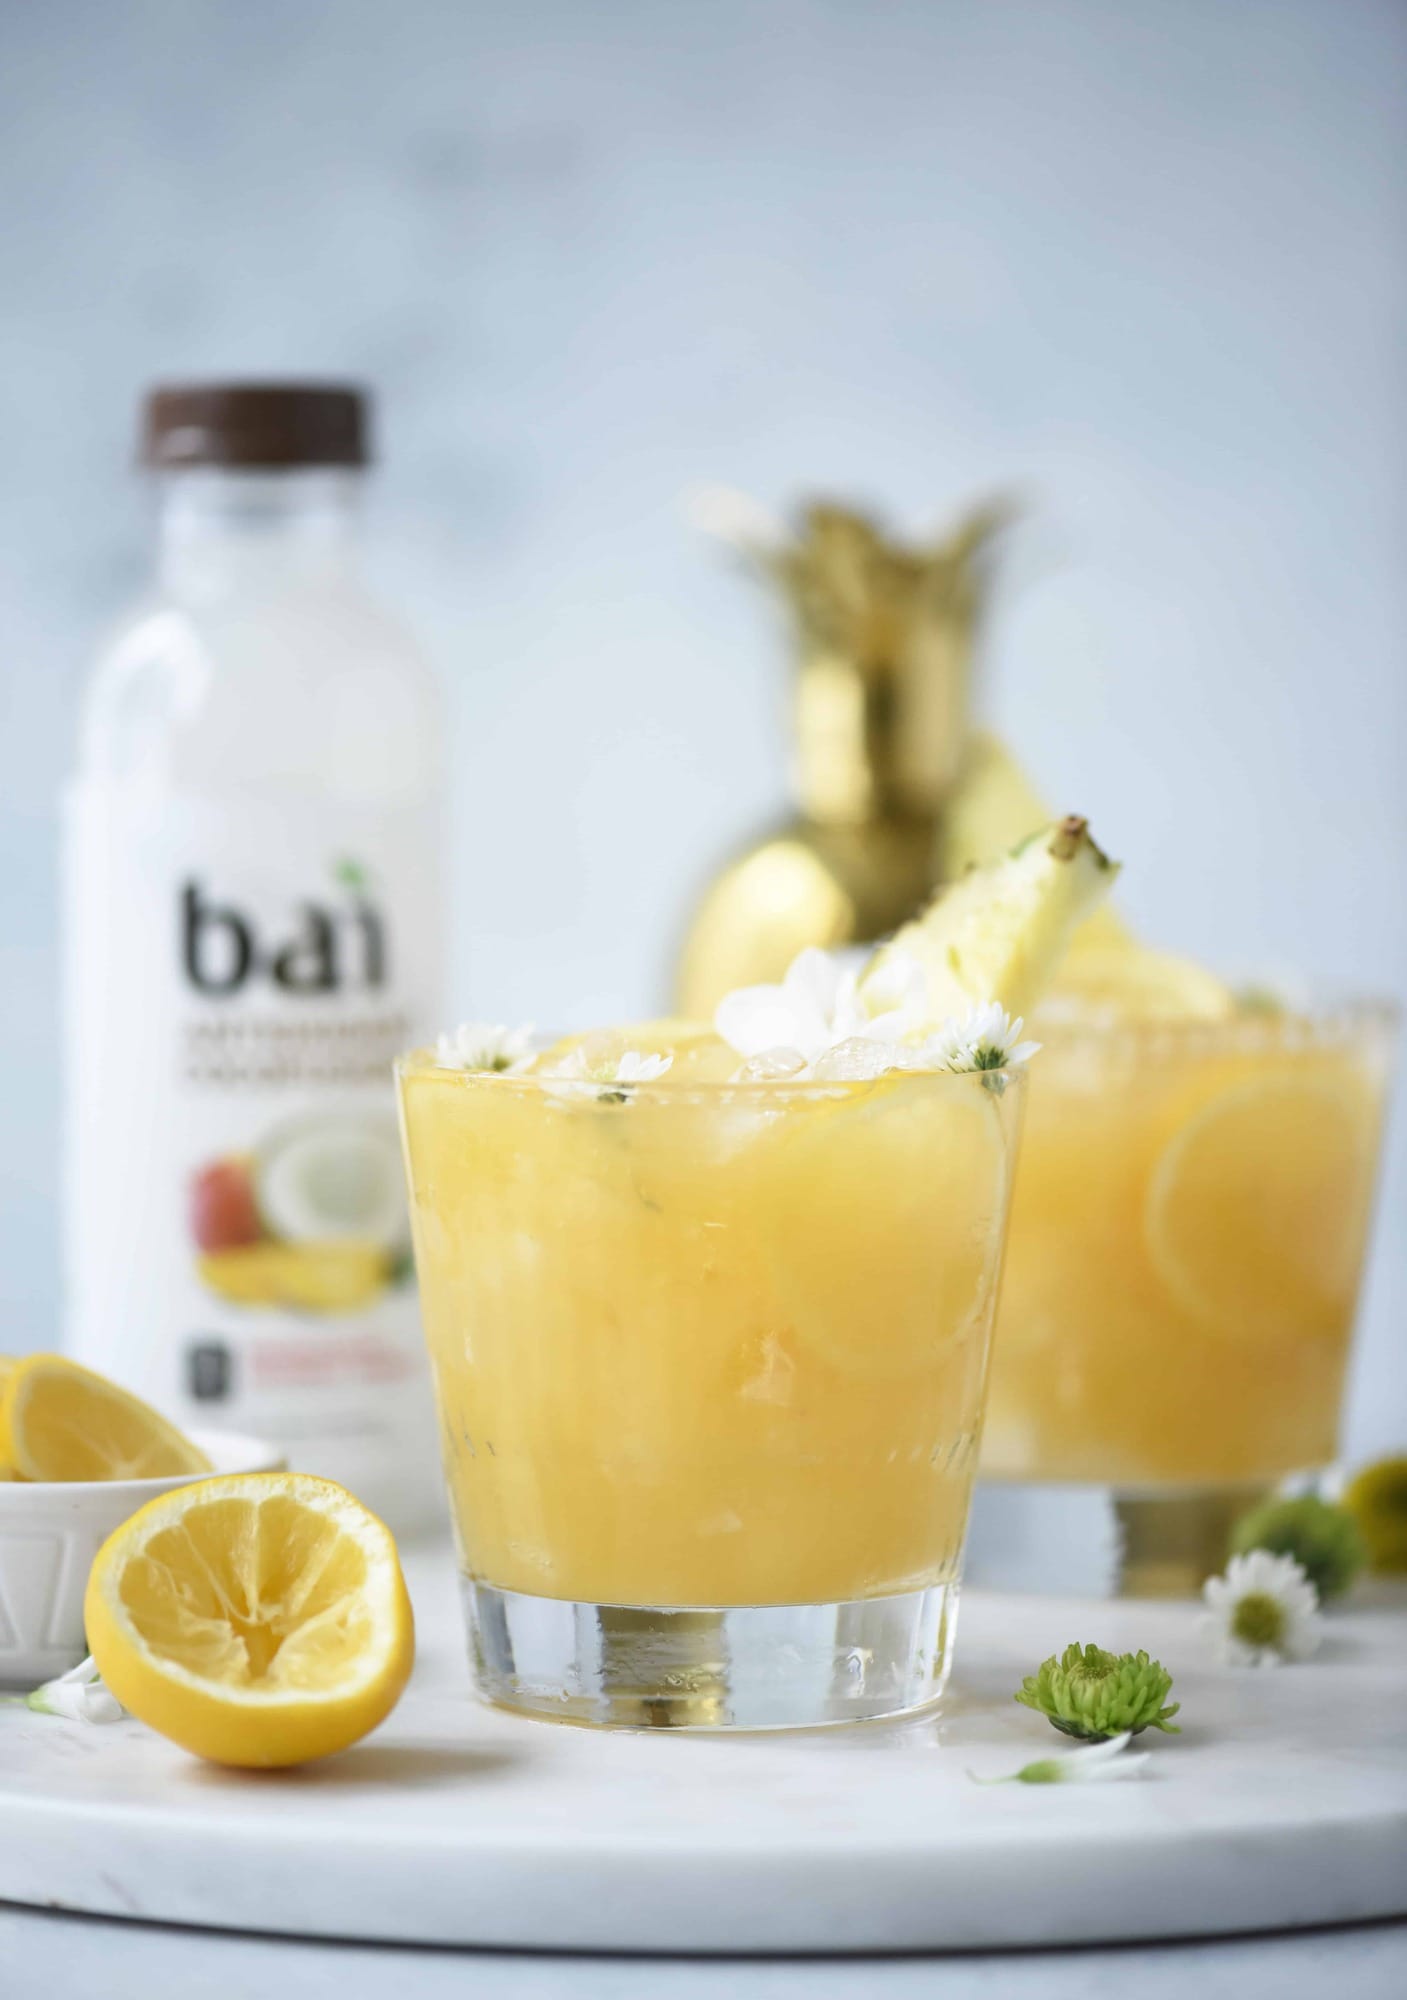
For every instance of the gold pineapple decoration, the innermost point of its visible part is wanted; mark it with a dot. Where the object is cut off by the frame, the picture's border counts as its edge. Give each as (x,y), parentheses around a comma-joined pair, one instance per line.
(883,635)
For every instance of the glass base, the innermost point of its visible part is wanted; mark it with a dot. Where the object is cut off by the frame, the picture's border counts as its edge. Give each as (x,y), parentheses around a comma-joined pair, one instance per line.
(789,1666)
(1103,1541)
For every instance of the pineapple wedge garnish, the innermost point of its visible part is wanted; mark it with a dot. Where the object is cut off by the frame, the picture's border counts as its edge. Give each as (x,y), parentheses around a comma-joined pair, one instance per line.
(999,933)
(1107,977)
(994,805)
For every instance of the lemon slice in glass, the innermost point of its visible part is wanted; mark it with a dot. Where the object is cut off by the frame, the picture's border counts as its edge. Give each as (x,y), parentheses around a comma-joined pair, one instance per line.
(1256,1209)
(64,1422)
(259,1620)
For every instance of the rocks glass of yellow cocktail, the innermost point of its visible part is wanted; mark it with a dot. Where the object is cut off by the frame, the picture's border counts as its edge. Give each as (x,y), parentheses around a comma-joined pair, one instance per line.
(1187,1240)
(710,1361)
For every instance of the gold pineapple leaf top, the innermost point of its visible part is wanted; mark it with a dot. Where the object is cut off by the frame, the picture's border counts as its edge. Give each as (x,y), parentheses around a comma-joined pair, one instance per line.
(856,590)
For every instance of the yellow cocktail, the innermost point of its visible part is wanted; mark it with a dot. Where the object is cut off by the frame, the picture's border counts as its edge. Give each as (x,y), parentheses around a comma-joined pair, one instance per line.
(702,1348)
(1187,1238)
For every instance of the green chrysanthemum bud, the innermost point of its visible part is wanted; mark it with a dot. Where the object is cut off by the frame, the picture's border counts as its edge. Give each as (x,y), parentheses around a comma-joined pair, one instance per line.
(1089,1693)
(1323,1539)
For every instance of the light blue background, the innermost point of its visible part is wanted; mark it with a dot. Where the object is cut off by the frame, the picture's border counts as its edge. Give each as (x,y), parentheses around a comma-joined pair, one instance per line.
(1141,261)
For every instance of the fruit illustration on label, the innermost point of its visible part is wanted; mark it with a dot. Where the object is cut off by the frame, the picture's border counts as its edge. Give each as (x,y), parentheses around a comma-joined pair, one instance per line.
(224,1213)
(313,1220)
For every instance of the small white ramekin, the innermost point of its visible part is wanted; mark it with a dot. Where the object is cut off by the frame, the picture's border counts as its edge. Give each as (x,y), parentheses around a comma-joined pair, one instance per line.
(49,1535)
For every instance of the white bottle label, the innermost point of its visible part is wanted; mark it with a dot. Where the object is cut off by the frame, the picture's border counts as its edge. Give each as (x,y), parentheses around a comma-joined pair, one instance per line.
(241,974)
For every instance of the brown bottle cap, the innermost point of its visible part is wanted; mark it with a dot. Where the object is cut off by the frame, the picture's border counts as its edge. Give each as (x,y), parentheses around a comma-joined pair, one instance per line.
(275,425)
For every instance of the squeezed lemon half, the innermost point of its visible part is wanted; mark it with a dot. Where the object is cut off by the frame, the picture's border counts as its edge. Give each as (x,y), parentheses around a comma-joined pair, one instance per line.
(257,1620)
(64,1422)
(7,1366)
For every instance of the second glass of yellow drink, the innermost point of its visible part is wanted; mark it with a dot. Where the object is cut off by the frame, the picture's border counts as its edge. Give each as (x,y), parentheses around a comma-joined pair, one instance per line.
(1188,1237)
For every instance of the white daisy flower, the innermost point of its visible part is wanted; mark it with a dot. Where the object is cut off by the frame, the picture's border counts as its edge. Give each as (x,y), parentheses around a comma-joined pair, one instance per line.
(589,1072)
(987,1039)
(816,1007)
(634,1067)
(1264,1610)
(1091,1764)
(485,1045)
(79,1696)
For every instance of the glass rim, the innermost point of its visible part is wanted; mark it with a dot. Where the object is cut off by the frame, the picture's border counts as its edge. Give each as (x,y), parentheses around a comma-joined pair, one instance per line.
(677,1089)
(1326,1024)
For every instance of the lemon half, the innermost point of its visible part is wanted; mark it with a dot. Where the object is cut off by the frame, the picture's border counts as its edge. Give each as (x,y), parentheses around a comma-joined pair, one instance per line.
(61,1421)
(257,1620)
(7,1365)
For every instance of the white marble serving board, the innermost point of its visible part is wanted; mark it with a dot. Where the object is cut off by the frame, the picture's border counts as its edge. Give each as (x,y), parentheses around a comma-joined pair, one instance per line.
(1284,1802)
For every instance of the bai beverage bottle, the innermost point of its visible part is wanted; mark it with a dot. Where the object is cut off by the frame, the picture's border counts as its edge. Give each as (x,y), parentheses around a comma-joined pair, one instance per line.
(253,930)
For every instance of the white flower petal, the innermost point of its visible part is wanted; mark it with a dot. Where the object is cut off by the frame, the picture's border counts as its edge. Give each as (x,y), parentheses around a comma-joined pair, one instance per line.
(818,1006)
(78,1696)
(584,1073)
(898,987)
(984,1039)
(1132,1766)
(634,1067)
(485,1045)
(753,1019)
(1091,1764)
(1101,1752)
(814,980)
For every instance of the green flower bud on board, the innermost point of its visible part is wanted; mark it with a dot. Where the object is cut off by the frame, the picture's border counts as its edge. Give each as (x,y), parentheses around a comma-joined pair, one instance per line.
(1092,1694)
(1324,1540)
